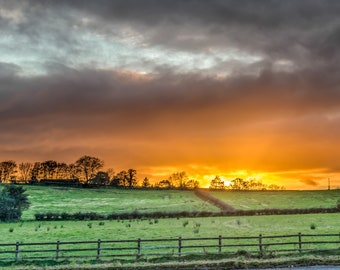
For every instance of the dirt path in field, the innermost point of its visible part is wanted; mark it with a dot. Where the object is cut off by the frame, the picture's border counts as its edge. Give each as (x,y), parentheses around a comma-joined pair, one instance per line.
(204,195)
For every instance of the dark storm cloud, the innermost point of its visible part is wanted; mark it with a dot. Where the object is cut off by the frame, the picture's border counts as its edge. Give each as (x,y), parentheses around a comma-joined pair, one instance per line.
(277,109)
(294,30)
(276,29)
(146,98)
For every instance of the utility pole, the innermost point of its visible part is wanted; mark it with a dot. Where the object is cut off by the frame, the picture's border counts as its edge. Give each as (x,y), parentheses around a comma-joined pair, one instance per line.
(329,184)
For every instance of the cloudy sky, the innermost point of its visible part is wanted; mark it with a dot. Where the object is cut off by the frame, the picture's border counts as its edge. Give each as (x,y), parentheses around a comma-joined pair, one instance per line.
(235,88)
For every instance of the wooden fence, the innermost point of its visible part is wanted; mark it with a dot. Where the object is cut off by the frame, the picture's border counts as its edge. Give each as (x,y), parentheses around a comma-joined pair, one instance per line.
(174,247)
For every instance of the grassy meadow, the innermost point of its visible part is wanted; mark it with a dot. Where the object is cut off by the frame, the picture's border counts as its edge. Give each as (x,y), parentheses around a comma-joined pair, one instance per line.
(71,200)
(250,200)
(35,231)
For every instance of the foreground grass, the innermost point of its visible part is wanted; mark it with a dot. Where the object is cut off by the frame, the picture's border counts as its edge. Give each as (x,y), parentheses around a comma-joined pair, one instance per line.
(251,200)
(101,200)
(34,231)
(237,262)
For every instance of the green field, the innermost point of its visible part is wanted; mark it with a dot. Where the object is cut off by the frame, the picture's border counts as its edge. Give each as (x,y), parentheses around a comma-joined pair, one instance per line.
(71,200)
(31,231)
(249,200)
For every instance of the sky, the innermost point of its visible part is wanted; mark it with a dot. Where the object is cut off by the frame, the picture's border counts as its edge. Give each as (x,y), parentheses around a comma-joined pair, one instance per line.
(237,88)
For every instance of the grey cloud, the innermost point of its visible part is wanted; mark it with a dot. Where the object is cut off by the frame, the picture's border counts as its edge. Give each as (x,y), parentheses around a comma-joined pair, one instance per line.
(303,32)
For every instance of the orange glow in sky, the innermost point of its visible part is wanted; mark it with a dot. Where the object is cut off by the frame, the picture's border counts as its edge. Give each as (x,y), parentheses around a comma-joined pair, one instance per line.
(216,88)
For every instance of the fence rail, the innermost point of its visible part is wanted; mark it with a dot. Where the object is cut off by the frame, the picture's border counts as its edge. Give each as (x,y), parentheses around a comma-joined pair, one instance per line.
(176,247)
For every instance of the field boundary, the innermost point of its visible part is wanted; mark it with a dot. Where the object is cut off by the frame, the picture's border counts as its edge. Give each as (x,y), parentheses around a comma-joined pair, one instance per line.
(49,216)
(137,249)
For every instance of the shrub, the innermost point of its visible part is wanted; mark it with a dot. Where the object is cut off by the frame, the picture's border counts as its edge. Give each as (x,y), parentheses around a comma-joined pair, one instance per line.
(185,223)
(312,226)
(12,202)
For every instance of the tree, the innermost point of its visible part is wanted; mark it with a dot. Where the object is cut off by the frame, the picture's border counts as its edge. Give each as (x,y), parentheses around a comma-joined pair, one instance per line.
(217,183)
(49,168)
(101,179)
(146,183)
(13,201)
(72,171)
(120,179)
(111,173)
(25,170)
(125,179)
(88,167)
(61,171)
(7,170)
(131,178)
(164,184)
(192,184)
(36,171)
(239,184)
(178,179)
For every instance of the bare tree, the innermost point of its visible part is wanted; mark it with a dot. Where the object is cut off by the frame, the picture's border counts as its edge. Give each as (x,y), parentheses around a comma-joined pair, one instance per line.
(178,179)
(131,177)
(88,167)
(25,170)
(7,170)
(49,168)
(61,171)
(111,173)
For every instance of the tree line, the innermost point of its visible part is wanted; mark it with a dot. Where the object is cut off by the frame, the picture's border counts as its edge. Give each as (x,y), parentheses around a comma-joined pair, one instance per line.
(239,184)
(87,170)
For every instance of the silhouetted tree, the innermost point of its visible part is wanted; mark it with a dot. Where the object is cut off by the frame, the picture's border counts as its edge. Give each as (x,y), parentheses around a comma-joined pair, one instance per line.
(61,171)
(72,171)
(49,169)
(101,179)
(239,184)
(25,170)
(178,179)
(131,178)
(7,170)
(217,183)
(36,171)
(111,173)
(164,184)
(120,179)
(146,183)
(192,184)
(88,167)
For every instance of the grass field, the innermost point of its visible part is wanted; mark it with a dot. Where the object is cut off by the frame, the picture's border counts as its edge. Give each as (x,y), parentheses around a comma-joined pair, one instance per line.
(61,199)
(248,200)
(71,200)
(31,231)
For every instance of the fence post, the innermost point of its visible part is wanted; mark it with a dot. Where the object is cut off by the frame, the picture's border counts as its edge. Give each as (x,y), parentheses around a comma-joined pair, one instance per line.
(57,250)
(98,249)
(300,242)
(139,248)
(260,244)
(179,246)
(17,251)
(219,244)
